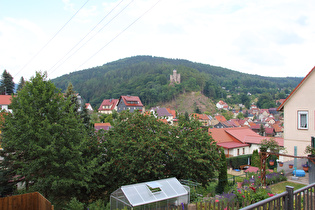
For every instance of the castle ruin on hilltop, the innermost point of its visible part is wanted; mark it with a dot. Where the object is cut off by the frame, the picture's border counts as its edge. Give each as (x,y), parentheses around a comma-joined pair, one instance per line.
(175,78)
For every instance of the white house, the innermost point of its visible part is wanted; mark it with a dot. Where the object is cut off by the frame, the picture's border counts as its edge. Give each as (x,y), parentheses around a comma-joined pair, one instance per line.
(299,116)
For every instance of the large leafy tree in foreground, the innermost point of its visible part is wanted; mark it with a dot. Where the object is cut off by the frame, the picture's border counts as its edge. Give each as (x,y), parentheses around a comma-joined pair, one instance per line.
(44,140)
(141,148)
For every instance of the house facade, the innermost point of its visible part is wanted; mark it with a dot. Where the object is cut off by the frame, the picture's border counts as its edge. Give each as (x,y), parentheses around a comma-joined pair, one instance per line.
(222,105)
(299,116)
(107,106)
(162,113)
(131,103)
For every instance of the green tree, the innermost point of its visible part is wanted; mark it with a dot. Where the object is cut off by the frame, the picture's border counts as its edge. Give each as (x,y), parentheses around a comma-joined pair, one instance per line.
(43,142)
(7,84)
(70,94)
(255,161)
(262,130)
(240,115)
(223,178)
(141,148)
(265,101)
(21,84)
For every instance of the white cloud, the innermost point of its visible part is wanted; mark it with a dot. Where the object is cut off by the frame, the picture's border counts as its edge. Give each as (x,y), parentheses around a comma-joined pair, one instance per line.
(274,38)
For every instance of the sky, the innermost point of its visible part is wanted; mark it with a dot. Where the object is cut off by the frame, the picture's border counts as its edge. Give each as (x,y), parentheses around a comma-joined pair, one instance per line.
(265,37)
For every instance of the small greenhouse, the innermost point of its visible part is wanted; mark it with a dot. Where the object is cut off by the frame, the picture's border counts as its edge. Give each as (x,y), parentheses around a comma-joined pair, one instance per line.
(160,194)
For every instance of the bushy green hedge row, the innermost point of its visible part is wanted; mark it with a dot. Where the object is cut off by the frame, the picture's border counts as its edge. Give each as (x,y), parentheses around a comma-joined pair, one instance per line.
(236,162)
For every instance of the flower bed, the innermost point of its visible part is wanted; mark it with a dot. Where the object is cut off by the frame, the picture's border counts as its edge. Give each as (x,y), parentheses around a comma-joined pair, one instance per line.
(271,178)
(245,196)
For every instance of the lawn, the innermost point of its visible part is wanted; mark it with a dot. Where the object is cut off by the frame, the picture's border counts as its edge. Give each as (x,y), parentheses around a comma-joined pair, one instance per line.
(280,187)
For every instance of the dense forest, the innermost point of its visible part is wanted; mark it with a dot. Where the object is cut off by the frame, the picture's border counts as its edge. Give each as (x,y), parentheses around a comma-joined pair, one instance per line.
(148,78)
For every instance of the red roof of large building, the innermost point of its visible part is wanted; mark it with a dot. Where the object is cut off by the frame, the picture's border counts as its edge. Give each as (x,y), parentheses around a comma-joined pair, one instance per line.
(241,134)
(225,140)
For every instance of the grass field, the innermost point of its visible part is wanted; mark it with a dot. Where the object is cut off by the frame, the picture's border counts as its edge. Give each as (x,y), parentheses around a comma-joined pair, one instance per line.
(280,187)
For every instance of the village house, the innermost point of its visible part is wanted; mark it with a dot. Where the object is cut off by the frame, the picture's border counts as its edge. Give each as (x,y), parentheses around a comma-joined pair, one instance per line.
(278,130)
(222,105)
(131,103)
(104,126)
(107,106)
(89,107)
(5,101)
(203,118)
(162,113)
(173,113)
(239,141)
(299,116)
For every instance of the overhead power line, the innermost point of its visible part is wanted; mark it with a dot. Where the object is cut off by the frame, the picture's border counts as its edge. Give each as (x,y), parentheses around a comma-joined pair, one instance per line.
(119,34)
(51,39)
(89,38)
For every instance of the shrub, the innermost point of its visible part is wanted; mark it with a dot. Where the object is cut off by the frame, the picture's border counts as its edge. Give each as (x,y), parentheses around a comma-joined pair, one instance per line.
(236,162)
(223,181)
(74,204)
(98,205)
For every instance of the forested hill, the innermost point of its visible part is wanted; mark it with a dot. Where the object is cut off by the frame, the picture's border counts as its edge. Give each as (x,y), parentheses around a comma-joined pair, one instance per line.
(148,78)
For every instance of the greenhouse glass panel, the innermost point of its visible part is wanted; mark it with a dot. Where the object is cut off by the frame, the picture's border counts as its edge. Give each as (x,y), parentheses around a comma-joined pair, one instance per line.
(159,193)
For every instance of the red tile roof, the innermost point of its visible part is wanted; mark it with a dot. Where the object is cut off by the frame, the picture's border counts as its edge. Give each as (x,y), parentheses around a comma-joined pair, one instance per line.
(220,135)
(230,145)
(234,122)
(108,102)
(269,130)
(220,118)
(5,99)
(132,100)
(172,112)
(200,116)
(277,128)
(104,126)
(246,135)
(257,140)
(295,89)
(238,137)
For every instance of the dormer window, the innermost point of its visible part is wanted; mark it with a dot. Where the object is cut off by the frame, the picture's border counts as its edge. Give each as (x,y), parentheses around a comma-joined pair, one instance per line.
(132,102)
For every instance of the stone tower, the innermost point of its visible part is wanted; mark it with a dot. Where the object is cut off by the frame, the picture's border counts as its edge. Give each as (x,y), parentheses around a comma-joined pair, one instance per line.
(175,78)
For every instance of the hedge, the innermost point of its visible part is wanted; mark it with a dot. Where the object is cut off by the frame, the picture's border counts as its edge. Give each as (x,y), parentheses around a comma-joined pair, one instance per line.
(237,161)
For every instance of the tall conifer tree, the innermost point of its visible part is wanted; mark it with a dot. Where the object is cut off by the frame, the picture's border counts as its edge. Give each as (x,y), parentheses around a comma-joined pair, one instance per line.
(7,84)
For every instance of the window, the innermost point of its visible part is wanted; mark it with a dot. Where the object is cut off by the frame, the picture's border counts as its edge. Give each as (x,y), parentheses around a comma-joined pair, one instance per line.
(302,120)
(243,151)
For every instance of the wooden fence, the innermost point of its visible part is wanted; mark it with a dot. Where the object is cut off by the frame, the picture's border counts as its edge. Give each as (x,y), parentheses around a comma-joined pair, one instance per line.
(29,201)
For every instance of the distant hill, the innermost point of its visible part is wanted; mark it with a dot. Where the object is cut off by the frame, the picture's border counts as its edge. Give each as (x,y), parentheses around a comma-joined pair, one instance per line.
(148,78)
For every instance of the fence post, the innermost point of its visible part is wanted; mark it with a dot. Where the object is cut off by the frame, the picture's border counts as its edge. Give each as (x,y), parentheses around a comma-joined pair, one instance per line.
(290,191)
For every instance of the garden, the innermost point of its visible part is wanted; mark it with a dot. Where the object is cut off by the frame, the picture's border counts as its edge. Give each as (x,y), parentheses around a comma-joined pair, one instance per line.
(236,196)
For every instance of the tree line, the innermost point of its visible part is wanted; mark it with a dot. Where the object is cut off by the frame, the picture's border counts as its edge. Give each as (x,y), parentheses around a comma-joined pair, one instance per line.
(148,78)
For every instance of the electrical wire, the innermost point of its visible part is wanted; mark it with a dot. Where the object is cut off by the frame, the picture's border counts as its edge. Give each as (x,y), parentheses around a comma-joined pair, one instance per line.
(51,69)
(90,37)
(118,34)
(51,39)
